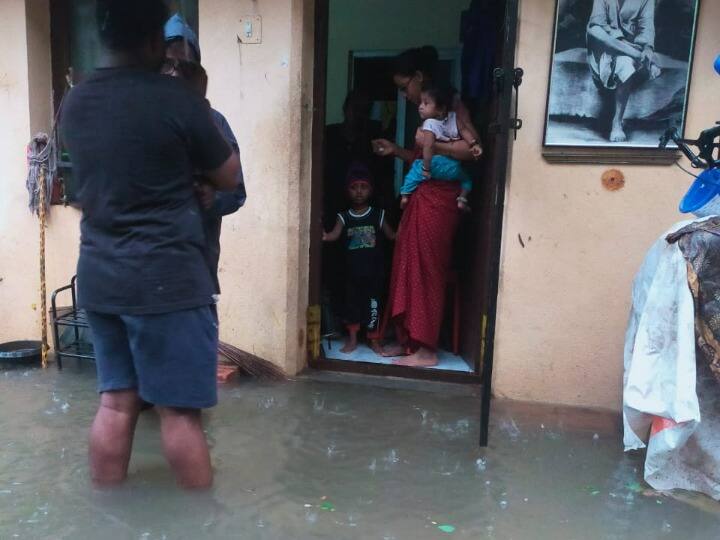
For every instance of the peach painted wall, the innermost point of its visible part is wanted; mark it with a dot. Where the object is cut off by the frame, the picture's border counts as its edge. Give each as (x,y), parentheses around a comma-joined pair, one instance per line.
(565,297)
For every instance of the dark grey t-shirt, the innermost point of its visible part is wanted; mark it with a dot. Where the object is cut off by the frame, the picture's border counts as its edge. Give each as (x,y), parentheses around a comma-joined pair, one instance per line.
(135,138)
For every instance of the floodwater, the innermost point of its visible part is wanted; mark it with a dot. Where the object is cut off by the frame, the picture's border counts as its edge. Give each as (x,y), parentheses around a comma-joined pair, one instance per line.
(331,459)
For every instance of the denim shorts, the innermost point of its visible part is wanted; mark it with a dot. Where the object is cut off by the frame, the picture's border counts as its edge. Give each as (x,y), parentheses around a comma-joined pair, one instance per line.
(169,358)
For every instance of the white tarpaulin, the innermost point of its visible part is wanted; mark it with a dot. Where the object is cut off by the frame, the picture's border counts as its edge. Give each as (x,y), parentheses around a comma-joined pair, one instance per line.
(661,406)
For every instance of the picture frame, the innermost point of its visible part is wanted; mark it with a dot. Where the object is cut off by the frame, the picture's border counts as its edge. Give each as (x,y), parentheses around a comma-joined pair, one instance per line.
(620,76)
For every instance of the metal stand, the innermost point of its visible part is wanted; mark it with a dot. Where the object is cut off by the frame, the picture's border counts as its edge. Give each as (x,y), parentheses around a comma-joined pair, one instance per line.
(73,318)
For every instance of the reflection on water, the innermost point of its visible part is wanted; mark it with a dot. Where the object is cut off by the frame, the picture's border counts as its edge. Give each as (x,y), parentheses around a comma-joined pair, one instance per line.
(305,459)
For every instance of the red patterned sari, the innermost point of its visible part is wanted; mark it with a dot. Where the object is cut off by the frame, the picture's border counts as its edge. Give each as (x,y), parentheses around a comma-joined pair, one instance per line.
(422,261)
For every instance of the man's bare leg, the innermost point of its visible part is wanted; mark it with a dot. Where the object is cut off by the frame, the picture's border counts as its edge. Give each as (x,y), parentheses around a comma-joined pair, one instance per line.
(111,437)
(622,96)
(185,447)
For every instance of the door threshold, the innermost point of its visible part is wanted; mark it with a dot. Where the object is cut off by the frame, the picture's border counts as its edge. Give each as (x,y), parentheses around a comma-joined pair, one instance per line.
(390,382)
(389,370)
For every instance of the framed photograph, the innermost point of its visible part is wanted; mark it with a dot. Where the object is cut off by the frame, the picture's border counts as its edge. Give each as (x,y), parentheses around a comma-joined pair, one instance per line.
(619,78)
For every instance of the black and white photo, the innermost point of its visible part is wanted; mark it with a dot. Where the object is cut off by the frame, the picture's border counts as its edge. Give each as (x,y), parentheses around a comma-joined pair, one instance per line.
(620,72)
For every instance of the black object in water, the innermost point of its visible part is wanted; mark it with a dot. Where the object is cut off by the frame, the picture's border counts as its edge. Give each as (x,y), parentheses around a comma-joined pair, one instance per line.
(20,352)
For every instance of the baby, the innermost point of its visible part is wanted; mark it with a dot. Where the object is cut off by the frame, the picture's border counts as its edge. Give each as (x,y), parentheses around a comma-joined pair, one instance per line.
(440,124)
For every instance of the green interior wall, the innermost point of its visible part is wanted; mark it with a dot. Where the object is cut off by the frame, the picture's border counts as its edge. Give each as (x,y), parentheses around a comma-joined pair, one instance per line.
(384,24)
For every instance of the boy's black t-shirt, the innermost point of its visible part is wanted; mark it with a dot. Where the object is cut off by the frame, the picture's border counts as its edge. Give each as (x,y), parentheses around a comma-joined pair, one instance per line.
(363,242)
(134,139)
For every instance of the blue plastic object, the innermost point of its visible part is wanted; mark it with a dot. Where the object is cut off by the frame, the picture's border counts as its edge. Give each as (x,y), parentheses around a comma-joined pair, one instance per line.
(717,64)
(702,191)
(176,27)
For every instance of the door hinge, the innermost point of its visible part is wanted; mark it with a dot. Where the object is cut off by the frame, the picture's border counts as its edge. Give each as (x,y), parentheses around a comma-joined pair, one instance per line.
(499,77)
(516,123)
(483,339)
(314,319)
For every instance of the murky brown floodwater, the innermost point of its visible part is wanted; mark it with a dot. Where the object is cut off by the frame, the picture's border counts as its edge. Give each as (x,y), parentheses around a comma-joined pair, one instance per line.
(310,459)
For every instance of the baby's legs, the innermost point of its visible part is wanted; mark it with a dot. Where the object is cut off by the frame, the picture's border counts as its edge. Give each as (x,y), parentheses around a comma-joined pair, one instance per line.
(462,200)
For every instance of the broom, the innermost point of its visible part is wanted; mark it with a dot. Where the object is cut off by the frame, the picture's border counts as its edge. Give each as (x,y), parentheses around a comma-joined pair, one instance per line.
(42,167)
(250,365)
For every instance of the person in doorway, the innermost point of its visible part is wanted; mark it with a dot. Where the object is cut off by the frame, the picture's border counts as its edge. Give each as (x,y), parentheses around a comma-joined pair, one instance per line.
(439,124)
(135,137)
(362,228)
(348,142)
(425,236)
(181,41)
(621,52)
(215,204)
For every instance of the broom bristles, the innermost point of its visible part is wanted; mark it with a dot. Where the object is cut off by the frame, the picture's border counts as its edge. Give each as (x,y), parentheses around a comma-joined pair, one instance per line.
(250,364)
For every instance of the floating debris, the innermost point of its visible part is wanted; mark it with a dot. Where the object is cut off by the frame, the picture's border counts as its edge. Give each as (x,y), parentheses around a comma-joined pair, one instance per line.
(635,487)
(448,529)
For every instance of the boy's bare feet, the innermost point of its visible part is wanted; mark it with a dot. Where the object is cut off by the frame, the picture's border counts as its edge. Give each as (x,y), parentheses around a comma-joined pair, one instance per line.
(351,342)
(350,345)
(376,346)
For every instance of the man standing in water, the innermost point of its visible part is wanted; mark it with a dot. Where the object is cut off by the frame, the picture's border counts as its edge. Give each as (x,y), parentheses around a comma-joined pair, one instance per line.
(135,138)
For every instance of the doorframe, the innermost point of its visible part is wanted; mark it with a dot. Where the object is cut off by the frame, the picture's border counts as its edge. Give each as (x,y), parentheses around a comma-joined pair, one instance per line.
(509,56)
(484,363)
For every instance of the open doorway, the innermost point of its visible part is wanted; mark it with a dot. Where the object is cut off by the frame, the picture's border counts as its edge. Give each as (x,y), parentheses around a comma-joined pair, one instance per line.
(356,43)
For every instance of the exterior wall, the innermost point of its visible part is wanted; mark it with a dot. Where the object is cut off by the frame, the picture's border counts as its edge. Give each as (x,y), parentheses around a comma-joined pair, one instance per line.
(25,109)
(264,267)
(263,91)
(565,297)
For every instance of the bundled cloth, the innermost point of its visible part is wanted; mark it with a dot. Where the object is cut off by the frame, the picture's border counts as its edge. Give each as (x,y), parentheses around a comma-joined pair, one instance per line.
(41,153)
(671,397)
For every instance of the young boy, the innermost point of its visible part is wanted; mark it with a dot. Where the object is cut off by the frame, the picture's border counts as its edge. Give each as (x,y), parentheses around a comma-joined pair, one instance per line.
(440,124)
(362,229)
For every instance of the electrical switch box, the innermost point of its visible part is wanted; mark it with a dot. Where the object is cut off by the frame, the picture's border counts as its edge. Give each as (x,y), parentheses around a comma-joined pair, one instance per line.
(250,29)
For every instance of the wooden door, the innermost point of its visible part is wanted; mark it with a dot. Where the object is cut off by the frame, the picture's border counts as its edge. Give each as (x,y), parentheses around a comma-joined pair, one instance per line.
(499,135)
(478,237)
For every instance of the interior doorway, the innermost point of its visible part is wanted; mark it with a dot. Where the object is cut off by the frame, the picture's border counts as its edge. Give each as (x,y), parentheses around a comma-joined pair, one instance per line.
(353,57)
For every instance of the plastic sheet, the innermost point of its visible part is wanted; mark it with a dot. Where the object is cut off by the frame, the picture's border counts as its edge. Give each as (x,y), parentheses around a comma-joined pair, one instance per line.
(661,387)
